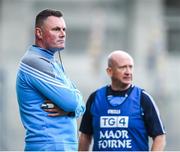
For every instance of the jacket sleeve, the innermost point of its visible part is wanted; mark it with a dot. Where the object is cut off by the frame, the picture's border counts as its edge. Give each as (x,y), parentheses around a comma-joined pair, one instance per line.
(151,115)
(86,122)
(41,77)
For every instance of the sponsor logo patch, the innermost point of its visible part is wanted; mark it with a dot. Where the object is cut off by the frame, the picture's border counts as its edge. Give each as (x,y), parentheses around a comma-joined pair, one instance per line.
(114,121)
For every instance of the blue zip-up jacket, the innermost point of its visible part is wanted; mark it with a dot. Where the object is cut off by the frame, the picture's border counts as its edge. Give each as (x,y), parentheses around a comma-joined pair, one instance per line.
(39,78)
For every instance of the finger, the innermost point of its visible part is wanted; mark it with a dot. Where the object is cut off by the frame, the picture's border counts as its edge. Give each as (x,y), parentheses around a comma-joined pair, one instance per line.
(54,114)
(48,101)
(51,110)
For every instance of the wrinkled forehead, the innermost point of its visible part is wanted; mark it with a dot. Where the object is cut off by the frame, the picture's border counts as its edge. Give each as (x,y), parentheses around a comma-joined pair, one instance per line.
(123,60)
(54,21)
(120,58)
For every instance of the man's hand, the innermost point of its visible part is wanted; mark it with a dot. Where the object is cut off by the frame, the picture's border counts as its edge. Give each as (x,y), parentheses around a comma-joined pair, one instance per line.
(54,111)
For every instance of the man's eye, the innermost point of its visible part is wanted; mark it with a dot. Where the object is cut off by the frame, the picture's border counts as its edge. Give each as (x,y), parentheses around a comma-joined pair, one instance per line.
(56,29)
(122,67)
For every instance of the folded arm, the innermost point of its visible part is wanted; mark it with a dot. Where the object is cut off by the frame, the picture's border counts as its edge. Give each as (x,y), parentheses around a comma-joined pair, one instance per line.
(63,96)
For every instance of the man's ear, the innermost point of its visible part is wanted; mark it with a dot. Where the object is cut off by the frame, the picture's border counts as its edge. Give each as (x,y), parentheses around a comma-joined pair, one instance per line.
(109,71)
(38,32)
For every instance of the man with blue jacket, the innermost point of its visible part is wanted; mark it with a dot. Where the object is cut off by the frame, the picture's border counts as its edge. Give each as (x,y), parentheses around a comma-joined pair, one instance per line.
(41,78)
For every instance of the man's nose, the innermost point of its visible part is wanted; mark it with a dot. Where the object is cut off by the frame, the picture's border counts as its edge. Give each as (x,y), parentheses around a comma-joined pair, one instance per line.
(62,33)
(128,70)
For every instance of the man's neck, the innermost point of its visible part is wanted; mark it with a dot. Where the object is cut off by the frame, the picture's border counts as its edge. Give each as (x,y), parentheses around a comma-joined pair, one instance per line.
(120,87)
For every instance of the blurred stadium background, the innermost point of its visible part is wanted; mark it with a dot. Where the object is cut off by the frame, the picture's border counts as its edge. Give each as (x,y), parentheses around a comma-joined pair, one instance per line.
(148,29)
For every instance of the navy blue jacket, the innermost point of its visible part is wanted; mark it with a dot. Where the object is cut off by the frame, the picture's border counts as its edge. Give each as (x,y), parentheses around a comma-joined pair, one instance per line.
(121,120)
